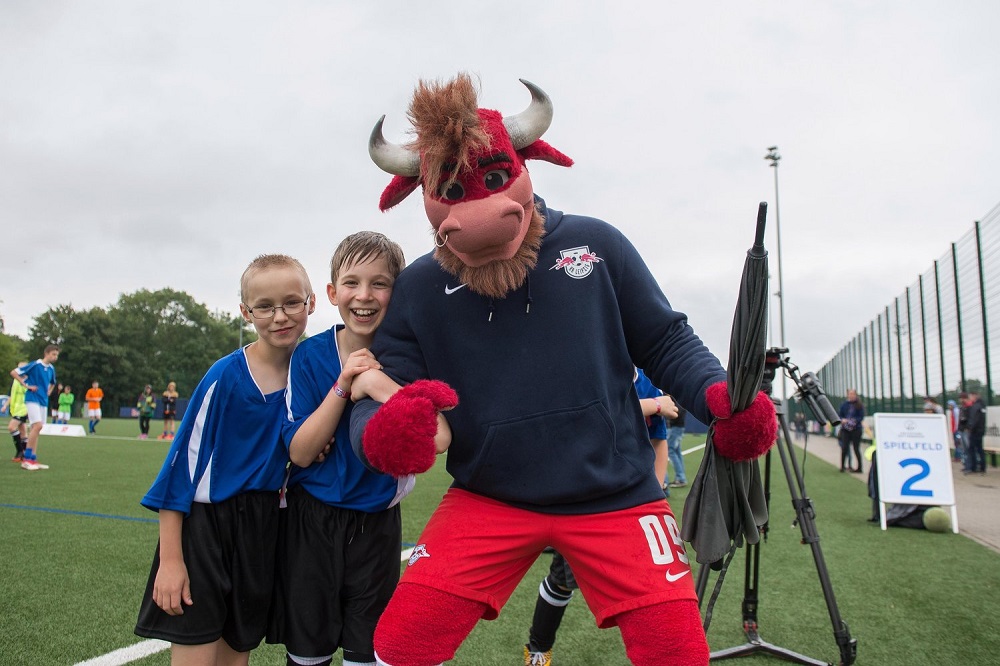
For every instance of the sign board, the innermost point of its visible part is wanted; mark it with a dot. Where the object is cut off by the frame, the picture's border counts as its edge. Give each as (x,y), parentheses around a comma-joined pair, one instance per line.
(63,430)
(914,461)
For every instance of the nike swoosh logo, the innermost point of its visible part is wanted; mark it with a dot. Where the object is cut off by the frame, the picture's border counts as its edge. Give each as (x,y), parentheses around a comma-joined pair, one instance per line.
(451,290)
(675,577)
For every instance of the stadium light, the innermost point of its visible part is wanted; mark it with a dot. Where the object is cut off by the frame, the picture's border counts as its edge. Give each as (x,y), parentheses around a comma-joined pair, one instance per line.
(773,157)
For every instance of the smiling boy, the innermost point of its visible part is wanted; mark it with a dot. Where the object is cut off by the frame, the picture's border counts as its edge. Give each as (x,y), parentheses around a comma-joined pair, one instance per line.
(338,556)
(211,581)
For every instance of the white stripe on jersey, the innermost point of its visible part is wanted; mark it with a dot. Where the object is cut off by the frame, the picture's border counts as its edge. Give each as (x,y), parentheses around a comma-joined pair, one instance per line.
(202,494)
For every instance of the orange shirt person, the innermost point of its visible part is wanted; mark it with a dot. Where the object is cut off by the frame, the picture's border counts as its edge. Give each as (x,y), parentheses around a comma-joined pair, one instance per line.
(94,397)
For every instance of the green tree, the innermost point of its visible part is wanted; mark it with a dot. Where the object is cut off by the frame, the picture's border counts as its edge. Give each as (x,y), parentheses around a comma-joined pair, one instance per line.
(10,353)
(147,337)
(974,386)
(88,350)
(166,335)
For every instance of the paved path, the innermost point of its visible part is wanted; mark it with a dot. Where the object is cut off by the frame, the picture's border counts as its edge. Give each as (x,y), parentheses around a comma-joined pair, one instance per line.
(977,496)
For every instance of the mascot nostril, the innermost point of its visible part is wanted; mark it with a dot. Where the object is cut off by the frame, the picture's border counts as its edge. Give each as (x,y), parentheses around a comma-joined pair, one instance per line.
(564,303)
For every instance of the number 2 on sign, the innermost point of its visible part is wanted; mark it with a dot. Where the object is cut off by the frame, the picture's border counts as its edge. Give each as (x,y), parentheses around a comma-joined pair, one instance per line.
(923,473)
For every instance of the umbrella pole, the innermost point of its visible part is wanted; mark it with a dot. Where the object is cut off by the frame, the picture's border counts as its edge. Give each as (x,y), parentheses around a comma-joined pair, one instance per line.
(805,518)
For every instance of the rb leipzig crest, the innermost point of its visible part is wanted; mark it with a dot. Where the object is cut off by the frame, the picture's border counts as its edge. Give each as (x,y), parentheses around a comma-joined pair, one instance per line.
(578,262)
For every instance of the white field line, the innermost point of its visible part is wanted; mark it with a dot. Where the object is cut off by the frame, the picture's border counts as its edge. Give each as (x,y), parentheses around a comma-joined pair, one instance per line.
(127,655)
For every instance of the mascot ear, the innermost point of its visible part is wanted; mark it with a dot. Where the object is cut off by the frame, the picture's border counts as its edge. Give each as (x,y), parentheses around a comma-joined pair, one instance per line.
(539,150)
(398,189)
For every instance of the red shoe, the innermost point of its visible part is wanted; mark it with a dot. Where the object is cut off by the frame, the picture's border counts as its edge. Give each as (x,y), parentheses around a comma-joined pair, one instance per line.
(17,459)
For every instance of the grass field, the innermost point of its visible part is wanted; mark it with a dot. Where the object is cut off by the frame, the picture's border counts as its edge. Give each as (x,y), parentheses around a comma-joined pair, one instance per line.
(75,548)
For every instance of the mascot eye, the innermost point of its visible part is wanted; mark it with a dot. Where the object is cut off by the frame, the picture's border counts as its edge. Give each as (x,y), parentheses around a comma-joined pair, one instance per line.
(496,179)
(454,192)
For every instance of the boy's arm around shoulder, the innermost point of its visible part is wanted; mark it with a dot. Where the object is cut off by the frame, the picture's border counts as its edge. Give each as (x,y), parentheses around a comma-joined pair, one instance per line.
(315,408)
(316,431)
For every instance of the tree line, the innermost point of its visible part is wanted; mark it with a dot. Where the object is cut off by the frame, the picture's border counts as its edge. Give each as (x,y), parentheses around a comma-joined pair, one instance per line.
(147,337)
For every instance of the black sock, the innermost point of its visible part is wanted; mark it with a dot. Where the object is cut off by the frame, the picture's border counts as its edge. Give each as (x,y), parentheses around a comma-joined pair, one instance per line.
(548,616)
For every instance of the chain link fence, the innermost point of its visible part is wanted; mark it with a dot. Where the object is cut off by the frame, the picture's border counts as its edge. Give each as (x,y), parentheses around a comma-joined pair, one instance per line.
(934,339)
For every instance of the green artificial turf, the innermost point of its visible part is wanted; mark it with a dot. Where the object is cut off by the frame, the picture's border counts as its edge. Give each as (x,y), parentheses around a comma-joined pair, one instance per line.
(76,549)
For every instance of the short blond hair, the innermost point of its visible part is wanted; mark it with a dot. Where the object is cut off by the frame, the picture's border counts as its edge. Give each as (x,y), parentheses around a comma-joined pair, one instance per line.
(366,246)
(266,261)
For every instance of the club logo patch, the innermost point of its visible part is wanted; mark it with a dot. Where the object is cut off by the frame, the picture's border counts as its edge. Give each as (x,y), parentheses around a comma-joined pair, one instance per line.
(420,550)
(578,262)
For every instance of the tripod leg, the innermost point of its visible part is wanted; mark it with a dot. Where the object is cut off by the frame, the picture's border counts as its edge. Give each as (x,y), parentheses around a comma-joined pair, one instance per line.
(805,515)
(805,518)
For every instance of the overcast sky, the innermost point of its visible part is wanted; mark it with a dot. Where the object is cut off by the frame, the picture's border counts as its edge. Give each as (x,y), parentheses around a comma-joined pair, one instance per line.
(153,144)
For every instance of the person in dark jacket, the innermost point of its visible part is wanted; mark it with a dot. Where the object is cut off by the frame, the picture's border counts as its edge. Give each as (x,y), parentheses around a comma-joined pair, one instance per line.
(974,428)
(852,425)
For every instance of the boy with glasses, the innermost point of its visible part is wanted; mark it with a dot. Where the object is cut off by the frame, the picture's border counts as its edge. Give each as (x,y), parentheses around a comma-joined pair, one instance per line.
(210,586)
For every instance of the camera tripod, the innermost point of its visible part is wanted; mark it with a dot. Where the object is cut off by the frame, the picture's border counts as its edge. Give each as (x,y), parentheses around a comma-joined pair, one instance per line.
(812,394)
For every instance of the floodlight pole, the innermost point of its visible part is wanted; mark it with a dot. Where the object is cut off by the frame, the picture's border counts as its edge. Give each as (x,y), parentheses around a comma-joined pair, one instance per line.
(773,156)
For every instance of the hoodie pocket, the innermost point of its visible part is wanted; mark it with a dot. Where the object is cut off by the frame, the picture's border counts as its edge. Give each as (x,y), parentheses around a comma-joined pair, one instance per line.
(562,456)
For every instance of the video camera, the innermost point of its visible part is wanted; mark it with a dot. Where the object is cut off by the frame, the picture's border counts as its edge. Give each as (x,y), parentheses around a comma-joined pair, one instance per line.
(808,385)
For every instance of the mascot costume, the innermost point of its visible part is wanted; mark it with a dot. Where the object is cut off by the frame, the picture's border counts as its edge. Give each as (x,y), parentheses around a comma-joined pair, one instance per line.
(525,324)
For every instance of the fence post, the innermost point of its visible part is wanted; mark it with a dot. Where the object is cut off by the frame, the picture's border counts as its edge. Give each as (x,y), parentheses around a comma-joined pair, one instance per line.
(958,319)
(899,354)
(909,343)
(881,364)
(888,358)
(937,301)
(923,334)
(982,303)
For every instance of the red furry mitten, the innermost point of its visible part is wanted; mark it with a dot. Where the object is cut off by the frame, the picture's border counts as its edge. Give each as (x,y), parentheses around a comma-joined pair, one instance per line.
(745,435)
(399,438)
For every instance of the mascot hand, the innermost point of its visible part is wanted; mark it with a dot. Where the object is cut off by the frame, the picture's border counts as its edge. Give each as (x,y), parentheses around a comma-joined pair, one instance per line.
(745,435)
(399,438)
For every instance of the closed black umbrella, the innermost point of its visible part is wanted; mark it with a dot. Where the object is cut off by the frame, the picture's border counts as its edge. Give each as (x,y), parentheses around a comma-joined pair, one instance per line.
(726,504)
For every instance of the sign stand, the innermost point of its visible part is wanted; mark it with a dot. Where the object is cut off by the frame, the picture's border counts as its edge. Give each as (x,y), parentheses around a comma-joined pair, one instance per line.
(914,462)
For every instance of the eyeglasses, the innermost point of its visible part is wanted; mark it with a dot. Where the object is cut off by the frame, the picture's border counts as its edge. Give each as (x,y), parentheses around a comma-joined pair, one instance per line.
(267,311)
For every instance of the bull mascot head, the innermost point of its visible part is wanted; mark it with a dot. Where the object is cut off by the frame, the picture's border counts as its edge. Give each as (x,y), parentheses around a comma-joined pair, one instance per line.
(478,195)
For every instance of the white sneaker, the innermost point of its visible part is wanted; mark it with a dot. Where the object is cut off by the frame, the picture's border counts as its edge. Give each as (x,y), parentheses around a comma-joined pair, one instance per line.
(28,465)
(39,465)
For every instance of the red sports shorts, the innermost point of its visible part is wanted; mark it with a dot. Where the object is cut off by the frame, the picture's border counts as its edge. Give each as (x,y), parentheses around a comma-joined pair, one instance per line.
(479,548)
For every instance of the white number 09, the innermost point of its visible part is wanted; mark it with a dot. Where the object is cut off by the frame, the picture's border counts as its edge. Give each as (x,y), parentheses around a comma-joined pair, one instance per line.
(661,546)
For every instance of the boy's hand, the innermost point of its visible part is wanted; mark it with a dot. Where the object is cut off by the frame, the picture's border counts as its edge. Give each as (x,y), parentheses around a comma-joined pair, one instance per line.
(373,384)
(668,408)
(400,438)
(172,588)
(357,363)
(321,456)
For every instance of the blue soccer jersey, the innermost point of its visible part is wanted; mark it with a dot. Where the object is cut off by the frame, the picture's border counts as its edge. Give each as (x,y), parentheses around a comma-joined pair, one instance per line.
(228,443)
(656,425)
(41,374)
(341,480)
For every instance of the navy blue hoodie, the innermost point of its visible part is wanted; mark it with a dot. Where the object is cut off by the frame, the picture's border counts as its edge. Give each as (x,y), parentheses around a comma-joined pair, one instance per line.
(548,419)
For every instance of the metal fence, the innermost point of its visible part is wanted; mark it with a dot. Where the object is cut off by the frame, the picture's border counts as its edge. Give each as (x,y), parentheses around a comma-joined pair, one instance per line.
(934,339)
